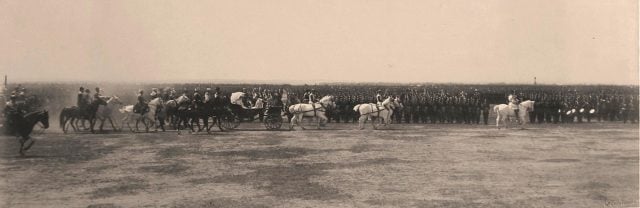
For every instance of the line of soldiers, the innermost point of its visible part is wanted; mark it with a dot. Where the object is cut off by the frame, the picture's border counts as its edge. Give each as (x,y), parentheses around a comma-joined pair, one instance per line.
(462,108)
(419,107)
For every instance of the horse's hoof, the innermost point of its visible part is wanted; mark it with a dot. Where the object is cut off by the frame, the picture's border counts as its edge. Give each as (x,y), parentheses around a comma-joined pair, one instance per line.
(32,141)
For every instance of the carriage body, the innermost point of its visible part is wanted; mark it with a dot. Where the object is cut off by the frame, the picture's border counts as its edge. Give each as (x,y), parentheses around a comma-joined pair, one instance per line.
(271,116)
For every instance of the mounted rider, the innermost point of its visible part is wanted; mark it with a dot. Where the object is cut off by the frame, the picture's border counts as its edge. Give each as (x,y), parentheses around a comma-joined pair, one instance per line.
(14,113)
(87,96)
(81,103)
(514,102)
(97,97)
(141,107)
(154,93)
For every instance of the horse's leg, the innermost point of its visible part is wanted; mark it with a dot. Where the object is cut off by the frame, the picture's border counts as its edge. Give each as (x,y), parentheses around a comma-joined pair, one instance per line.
(301,120)
(361,122)
(197,120)
(124,120)
(30,144)
(321,118)
(21,151)
(112,126)
(73,122)
(92,122)
(293,119)
(498,121)
(137,121)
(70,120)
(147,126)
(373,121)
(205,120)
(102,124)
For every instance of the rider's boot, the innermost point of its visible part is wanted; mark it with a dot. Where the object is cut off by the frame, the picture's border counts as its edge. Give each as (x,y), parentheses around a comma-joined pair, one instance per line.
(517,117)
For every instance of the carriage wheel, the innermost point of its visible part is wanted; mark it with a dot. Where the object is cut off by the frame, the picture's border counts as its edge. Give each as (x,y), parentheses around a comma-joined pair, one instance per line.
(229,121)
(272,122)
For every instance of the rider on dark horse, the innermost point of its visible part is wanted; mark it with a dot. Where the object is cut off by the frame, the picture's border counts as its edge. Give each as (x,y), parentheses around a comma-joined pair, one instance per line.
(14,114)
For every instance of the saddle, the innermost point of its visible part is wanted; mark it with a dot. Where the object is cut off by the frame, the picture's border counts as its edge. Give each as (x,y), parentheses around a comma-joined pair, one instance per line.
(141,109)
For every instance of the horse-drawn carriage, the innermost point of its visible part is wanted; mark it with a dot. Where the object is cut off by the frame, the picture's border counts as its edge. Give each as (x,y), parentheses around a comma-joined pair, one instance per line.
(237,113)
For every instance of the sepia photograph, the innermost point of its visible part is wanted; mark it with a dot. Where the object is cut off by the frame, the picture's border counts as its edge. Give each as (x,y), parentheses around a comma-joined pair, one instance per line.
(319,103)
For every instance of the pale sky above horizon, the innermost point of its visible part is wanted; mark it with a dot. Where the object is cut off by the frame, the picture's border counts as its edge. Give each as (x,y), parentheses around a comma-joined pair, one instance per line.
(557,41)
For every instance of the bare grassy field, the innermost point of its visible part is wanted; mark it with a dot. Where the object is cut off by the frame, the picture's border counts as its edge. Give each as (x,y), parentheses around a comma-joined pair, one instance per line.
(571,165)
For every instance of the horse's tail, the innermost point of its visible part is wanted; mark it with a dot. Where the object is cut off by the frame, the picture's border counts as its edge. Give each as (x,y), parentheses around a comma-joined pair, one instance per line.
(496,109)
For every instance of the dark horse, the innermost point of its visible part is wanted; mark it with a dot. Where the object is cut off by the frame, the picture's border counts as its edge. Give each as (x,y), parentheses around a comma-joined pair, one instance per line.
(211,109)
(73,114)
(22,126)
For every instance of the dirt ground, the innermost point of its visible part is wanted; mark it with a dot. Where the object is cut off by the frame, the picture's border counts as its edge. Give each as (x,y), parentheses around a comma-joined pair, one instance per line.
(569,165)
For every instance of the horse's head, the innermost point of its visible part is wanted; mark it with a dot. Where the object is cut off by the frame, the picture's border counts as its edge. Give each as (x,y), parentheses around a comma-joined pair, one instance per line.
(398,103)
(328,102)
(181,99)
(44,118)
(115,100)
(528,105)
(391,103)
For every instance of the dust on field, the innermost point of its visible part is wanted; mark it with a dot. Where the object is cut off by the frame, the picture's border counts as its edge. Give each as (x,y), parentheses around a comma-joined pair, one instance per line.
(585,165)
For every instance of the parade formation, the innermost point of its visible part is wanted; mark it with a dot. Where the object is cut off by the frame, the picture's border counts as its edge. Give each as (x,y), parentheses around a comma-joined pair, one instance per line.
(201,108)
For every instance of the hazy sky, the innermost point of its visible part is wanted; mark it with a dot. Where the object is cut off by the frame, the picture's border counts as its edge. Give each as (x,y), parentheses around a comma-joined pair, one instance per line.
(558,41)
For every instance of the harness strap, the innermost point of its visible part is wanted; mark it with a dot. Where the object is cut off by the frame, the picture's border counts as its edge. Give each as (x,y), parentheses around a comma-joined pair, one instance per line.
(314,108)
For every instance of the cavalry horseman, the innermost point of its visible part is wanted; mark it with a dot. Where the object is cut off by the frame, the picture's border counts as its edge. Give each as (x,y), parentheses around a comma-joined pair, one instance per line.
(14,113)
(81,103)
(97,97)
(141,107)
(514,101)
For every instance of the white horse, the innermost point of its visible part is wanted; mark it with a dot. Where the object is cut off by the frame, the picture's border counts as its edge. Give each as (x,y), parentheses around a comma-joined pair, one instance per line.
(105,112)
(504,111)
(149,116)
(316,110)
(379,114)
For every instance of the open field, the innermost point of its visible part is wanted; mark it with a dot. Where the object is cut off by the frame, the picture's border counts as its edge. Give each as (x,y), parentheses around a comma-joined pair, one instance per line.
(585,165)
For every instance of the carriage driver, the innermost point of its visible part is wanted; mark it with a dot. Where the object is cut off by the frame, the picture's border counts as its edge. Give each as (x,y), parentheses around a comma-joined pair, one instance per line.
(305,96)
(312,96)
(514,102)
(379,97)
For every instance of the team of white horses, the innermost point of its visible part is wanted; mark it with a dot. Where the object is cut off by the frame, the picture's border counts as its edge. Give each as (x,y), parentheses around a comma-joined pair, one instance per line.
(378,114)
